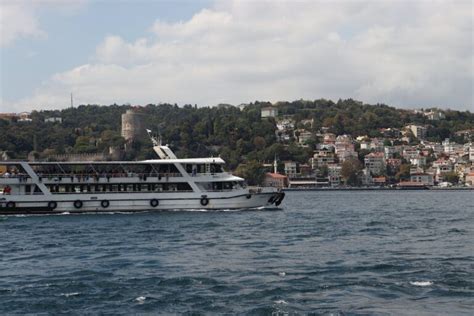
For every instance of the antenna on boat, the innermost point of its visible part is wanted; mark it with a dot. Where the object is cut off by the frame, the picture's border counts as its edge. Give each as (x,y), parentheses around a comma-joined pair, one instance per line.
(156,141)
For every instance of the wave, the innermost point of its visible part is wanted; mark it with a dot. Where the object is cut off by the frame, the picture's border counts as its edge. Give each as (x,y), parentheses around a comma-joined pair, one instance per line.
(421,283)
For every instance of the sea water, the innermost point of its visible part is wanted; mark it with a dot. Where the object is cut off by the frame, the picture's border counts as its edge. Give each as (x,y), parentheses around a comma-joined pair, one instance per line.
(330,253)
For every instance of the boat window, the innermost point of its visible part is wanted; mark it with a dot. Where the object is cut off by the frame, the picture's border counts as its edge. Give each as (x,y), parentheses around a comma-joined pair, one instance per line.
(215,168)
(116,188)
(220,185)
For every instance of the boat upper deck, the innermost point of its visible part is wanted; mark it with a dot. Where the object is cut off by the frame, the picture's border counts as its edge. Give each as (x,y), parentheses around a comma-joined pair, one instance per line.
(211,160)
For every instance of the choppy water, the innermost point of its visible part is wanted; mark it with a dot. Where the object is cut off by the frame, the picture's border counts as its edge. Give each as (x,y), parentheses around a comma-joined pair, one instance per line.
(335,253)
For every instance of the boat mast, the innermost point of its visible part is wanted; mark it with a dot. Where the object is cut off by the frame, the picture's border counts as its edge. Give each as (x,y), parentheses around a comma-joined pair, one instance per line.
(163,151)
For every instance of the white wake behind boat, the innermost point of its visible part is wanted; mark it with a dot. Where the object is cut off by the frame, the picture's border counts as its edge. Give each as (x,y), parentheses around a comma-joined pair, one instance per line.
(127,186)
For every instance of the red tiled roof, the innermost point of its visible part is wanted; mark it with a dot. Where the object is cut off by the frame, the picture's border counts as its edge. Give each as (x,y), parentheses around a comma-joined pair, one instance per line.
(411,183)
(375,155)
(276,175)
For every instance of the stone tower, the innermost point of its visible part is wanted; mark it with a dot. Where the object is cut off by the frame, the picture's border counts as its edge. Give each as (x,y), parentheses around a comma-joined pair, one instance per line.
(132,126)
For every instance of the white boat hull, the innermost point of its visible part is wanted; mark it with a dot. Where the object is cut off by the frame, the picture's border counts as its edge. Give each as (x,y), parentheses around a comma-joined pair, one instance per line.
(136,202)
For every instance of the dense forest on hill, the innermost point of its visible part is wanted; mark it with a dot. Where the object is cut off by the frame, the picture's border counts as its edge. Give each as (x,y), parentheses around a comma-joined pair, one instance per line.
(235,134)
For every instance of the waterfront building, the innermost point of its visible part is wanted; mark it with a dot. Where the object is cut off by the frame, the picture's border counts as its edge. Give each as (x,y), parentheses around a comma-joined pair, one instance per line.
(441,167)
(423,178)
(470,179)
(290,169)
(334,174)
(375,163)
(275,180)
(379,181)
(366,177)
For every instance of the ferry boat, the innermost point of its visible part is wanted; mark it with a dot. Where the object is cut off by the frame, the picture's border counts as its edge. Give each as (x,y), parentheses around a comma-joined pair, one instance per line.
(167,183)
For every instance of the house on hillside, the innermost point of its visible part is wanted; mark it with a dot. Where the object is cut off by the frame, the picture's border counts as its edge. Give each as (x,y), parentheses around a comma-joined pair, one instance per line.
(269,111)
(375,163)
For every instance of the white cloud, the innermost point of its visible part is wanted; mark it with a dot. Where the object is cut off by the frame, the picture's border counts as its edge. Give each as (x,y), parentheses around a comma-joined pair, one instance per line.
(412,54)
(17,20)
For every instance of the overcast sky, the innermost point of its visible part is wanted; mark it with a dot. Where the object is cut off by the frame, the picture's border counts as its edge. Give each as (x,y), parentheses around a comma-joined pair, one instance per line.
(409,54)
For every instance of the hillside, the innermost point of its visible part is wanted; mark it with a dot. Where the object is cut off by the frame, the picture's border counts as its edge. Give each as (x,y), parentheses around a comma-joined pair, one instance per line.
(235,134)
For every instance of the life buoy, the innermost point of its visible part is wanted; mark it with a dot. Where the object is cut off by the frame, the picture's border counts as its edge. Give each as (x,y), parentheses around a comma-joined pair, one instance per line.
(77,203)
(104,203)
(11,204)
(204,201)
(52,205)
(154,202)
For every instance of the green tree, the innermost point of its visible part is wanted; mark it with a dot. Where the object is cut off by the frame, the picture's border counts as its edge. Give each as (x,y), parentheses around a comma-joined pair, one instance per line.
(451,177)
(403,173)
(84,144)
(350,171)
(252,171)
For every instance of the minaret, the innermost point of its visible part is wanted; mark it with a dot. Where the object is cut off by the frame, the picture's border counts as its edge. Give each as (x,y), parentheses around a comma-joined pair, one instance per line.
(275,165)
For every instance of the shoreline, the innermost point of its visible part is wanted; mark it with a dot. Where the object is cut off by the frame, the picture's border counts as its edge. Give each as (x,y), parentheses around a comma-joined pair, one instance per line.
(380,189)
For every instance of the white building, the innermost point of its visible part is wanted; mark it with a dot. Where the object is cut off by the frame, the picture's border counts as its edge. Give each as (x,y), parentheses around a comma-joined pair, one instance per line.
(322,158)
(424,178)
(376,145)
(390,151)
(304,136)
(375,163)
(410,153)
(366,178)
(344,148)
(442,166)
(290,169)
(269,112)
(417,130)
(285,125)
(24,117)
(334,174)
(434,115)
(53,120)
(329,138)
(418,161)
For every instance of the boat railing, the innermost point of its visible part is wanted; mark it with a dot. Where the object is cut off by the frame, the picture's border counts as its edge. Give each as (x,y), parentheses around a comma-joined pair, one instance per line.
(97,177)
(212,174)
